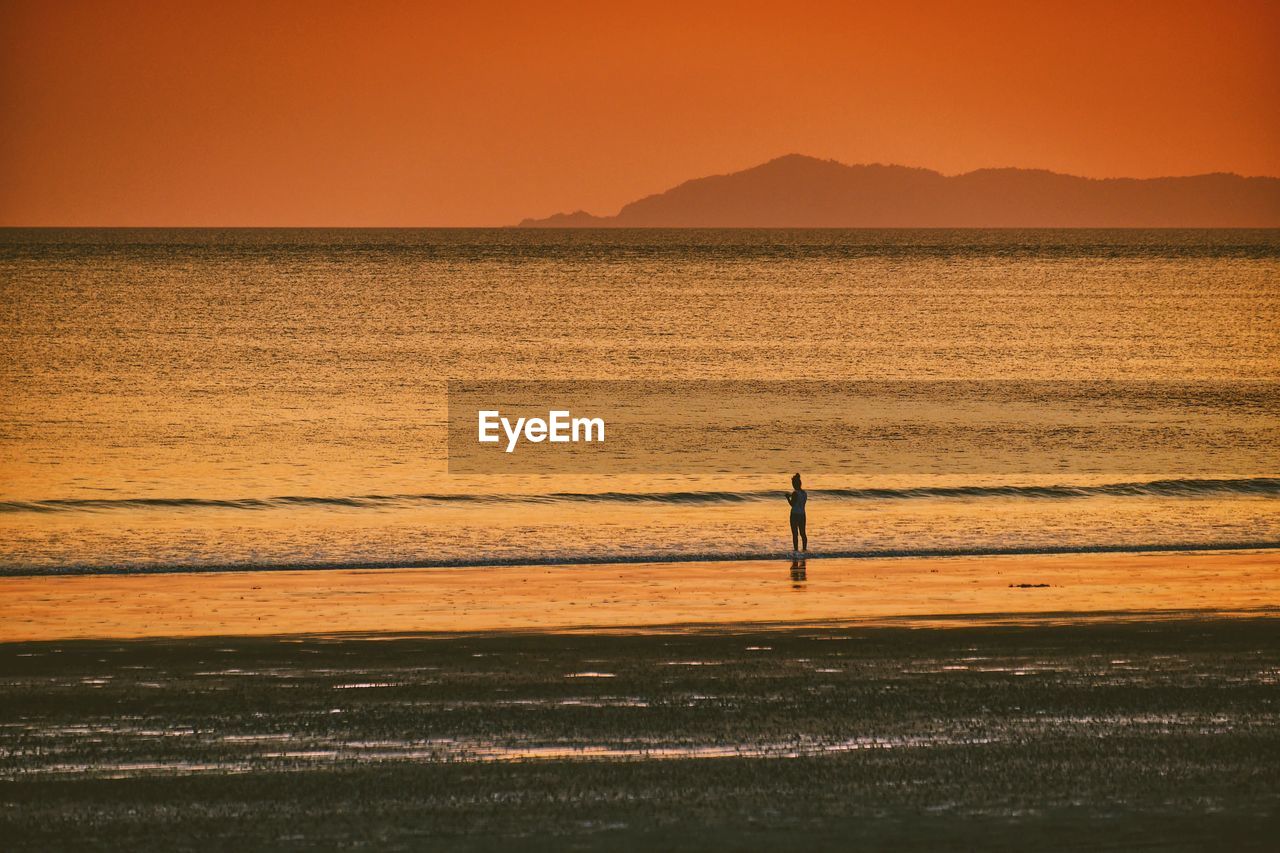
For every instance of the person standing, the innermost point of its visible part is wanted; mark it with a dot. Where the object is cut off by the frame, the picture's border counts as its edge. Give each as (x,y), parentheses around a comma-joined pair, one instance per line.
(798,497)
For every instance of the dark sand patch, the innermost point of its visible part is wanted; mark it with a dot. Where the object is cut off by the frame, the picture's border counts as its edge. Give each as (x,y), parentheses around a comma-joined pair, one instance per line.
(1112,735)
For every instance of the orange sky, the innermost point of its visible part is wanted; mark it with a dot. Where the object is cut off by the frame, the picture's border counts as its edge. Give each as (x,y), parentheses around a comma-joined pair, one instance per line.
(463,113)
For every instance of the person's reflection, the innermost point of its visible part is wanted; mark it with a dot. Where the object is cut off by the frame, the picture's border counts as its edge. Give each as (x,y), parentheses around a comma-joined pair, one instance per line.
(798,576)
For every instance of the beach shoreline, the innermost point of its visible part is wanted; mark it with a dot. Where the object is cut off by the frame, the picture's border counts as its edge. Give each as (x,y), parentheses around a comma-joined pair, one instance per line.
(660,597)
(912,703)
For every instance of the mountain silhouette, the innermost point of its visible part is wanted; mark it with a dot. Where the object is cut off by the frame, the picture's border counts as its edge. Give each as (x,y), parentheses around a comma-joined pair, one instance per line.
(796,191)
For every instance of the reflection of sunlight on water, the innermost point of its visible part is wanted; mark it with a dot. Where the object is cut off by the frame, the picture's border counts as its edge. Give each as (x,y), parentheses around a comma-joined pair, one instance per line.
(306,441)
(260,752)
(473,751)
(692,663)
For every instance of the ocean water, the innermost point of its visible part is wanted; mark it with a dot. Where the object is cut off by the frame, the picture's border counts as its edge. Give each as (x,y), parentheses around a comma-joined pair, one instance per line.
(195,399)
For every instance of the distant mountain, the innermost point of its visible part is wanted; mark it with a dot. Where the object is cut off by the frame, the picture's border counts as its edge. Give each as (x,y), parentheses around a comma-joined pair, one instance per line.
(804,192)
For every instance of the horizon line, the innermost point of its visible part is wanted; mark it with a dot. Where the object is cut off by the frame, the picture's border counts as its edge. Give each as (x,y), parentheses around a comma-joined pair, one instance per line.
(518,227)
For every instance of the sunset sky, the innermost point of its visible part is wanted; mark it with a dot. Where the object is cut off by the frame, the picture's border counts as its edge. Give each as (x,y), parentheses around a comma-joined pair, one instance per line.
(388,113)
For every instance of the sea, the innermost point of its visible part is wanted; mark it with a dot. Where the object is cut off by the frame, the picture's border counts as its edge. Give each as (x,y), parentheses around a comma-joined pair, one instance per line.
(235,399)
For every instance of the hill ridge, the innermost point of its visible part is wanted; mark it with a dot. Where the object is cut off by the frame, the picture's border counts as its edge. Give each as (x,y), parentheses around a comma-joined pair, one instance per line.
(797,190)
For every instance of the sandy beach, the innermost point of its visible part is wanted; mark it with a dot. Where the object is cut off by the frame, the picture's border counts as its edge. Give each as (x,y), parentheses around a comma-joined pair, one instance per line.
(913,703)
(1158,733)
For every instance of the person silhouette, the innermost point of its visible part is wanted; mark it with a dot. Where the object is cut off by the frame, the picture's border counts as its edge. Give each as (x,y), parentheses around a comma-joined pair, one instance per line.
(798,498)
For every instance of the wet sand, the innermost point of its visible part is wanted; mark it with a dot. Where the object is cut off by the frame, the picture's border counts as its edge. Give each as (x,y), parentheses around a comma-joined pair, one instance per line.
(923,704)
(924,591)
(1154,734)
